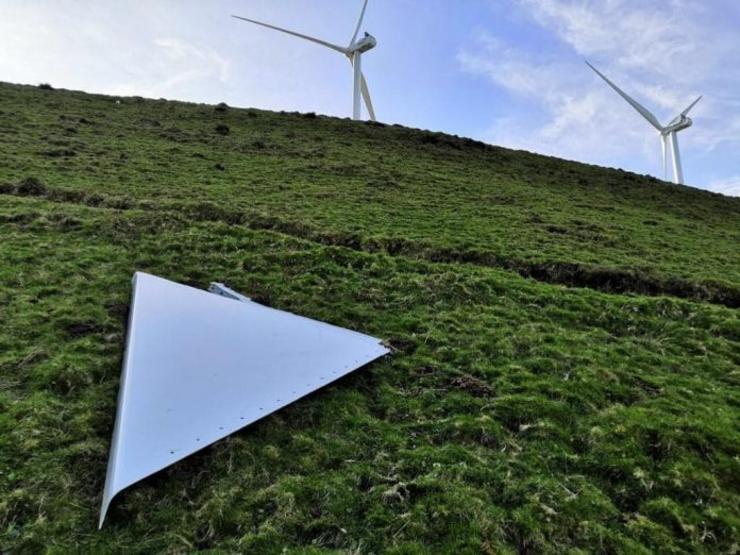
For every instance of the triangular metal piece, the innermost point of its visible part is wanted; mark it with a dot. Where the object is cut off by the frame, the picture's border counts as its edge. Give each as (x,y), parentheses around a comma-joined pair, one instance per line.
(199,366)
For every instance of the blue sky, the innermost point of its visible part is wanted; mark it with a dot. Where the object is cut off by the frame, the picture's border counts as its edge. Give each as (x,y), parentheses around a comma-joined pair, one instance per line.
(509,72)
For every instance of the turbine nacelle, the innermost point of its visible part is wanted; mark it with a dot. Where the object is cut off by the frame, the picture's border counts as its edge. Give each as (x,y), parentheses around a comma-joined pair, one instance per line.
(366,43)
(677,124)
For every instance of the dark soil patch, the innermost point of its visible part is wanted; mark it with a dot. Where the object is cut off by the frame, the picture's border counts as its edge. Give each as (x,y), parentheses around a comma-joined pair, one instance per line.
(472,385)
(31,187)
(79,329)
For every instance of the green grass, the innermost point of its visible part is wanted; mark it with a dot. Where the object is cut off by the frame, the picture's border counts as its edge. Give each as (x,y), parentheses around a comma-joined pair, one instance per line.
(515,414)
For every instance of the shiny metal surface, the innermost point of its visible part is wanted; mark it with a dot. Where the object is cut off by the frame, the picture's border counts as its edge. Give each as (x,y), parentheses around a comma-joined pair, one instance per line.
(199,366)
(220,289)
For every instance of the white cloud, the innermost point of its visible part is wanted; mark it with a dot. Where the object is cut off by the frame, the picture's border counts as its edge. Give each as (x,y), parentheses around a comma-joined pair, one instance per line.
(173,64)
(201,61)
(665,53)
(636,34)
(729,186)
(107,48)
(574,119)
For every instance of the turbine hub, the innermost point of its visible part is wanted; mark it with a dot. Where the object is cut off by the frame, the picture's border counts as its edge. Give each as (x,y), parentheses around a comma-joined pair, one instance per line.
(366,43)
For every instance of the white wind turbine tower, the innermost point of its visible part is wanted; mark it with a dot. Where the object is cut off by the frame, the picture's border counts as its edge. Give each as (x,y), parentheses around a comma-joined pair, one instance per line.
(668,133)
(353,51)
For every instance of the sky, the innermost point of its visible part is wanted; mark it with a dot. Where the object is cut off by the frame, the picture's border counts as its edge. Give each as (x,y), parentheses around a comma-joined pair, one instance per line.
(508,72)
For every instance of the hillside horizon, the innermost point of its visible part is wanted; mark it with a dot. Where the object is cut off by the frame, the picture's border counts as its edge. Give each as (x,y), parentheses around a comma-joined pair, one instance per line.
(347,118)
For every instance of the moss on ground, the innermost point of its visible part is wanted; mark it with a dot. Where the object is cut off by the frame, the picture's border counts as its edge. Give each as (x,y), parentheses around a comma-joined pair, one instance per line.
(514,415)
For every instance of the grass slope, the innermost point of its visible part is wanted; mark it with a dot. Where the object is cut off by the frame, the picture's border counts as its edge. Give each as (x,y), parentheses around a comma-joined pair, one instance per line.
(516,414)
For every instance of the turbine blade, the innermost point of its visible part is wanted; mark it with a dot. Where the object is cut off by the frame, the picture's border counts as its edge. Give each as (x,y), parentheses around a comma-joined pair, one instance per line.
(663,139)
(676,155)
(359,23)
(366,97)
(687,110)
(644,112)
(299,35)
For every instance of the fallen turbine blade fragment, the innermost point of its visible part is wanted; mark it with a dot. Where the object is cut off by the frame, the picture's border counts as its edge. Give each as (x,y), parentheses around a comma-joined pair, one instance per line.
(199,366)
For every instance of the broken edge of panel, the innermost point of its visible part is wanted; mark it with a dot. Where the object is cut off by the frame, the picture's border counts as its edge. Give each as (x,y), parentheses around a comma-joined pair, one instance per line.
(199,366)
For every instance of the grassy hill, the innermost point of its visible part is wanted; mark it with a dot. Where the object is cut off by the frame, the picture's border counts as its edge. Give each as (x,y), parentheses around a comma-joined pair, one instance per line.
(566,337)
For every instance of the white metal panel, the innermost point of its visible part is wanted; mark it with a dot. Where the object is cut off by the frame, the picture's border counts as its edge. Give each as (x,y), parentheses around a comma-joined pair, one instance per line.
(199,366)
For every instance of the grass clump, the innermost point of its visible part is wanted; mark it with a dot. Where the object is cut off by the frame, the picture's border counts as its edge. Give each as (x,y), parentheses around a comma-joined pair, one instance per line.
(562,379)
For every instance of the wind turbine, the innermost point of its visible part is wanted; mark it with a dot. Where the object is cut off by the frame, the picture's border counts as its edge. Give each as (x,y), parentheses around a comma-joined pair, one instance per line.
(353,51)
(668,133)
